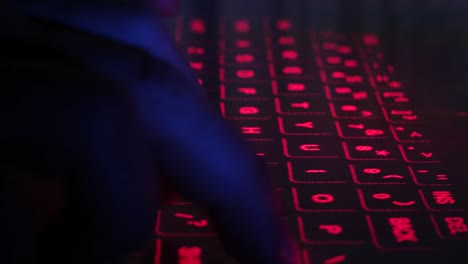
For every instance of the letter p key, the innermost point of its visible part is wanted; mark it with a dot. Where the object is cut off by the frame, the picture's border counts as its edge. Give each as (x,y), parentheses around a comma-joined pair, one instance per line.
(332,229)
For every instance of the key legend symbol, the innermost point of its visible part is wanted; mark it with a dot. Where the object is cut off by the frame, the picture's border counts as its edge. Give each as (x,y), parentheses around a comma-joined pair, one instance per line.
(441,177)
(197,223)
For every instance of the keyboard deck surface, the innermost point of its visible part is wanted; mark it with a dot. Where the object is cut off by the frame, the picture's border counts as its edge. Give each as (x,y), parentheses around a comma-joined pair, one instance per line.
(347,153)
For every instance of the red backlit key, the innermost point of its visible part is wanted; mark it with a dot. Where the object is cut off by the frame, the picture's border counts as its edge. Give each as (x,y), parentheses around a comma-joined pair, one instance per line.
(401,115)
(306,172)
(347,77)
(306,147)
(409,133)
(257,129)
(244,45)
(245,73)
(451,226)
(306,125)
(401,231)
(367,129)
(285,54)
(247,109)
(333,228)
(245,58)
(354,110)
(370,150)
(349,93)
(430,175)
(442,199)
(245,90)
(190,251)
(418,153)
(285,40)
(393,98)
(183,220)
(340,62)
(295,87)
(379,173)
(301,105)
(316,198)
(388,198)
(296,71)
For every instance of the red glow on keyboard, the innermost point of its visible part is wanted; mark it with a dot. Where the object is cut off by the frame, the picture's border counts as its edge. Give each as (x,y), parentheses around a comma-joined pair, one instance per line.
(310,147)
(370,40)
(283,25)
(322,198)
(443,197)
(456,225)
(292,70)
(242,26)
(338,75)
(402,229)
(363,148)
(343,90)
(289,55)
(248,110)
(349,108)
(304,105)
(244,58)
(242,43)
(360,95)
(196,65)
(247,91)
(343,49)
(331,229)
(195,51)
(251,130)
(189,255)
(333,60)
(305,124)
(245,74)
(296,87)
(394,84)
(197,26)
(351,63)
(329,46)
(371,170)
(284,41)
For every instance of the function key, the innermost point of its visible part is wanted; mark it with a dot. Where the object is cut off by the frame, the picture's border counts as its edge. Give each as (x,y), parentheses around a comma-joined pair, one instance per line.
(306,125)
(306,172)
(300,105)
(306,147)
(183,220)
(368,129)
(379,173)
(334,198)
(349,93)
(245,90)
(370,150)
(442,199)
(296,87)
(258,109)
(189,250)
(333,229)
(430,174)
(419,153)
(354,110)
(451,226)
(388,198)
(409,133)
(401,231)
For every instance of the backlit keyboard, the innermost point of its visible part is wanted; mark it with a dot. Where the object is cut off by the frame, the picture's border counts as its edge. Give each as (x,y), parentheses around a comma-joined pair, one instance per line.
(328,115)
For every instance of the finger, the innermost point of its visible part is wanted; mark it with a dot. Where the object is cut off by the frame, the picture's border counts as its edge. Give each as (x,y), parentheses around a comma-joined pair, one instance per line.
(210,164)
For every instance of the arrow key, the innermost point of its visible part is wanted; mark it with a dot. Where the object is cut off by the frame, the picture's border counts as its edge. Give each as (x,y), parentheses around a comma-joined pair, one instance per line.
(419,153)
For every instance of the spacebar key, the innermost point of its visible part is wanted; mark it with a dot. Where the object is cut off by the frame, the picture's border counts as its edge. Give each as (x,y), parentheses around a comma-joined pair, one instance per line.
(188,250)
